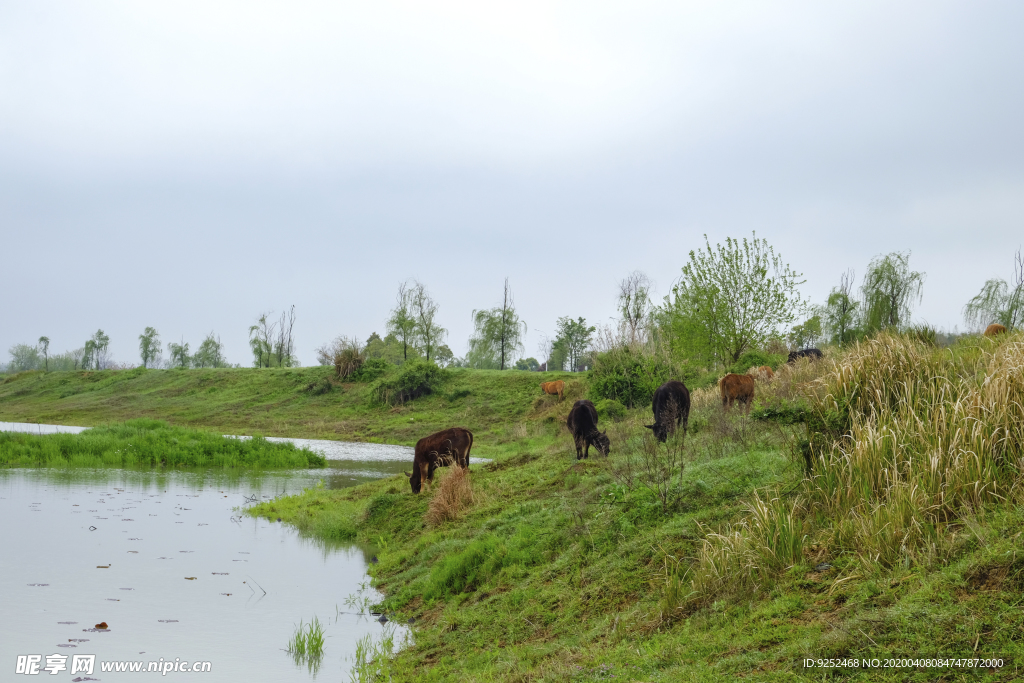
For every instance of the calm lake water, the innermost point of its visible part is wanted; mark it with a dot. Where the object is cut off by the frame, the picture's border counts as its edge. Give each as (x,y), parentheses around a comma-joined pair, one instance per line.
(118,546)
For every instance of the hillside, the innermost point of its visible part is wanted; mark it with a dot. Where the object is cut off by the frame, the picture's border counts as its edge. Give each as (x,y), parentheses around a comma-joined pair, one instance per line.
(279,402)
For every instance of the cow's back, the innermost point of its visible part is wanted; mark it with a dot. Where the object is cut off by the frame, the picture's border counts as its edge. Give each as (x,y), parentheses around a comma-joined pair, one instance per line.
(994,329)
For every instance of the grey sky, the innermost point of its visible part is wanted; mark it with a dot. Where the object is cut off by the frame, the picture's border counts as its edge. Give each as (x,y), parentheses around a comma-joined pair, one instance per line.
(189,165)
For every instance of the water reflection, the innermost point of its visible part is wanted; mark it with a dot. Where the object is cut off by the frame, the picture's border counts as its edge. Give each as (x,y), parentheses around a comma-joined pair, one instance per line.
(85,546)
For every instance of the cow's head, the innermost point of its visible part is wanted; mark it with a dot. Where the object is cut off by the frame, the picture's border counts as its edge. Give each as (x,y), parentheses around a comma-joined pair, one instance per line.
(603,444)
(660,431)
(414,480)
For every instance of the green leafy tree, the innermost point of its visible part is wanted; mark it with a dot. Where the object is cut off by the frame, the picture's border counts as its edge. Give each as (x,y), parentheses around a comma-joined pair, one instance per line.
(841,311)
(179,354)
(806,333)
(998,301)
(88,354)
(149,346)
(889,291)
(497,334)
(530,364)
(402,323)
(572,340)
(100,345)
(44,348)
(426,330)
(210,353)
(23,357)
(261,336)
(732,298)
(444,356)
(388,348)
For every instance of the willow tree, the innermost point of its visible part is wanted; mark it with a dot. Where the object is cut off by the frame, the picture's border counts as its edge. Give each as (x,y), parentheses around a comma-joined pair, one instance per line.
(889,291)
(497,334)
(999,301)
(731,298)
(149,346)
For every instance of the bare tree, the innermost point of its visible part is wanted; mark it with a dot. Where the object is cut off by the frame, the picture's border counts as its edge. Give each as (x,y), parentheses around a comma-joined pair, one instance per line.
(635,306)
(284,347)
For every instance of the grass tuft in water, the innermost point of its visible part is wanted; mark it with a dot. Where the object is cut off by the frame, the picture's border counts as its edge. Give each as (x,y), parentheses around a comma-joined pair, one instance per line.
(149,443)
(307,645)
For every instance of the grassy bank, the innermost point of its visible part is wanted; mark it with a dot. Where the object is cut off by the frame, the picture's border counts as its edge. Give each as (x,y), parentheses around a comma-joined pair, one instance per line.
(903,543)
(149,443)
(297,402)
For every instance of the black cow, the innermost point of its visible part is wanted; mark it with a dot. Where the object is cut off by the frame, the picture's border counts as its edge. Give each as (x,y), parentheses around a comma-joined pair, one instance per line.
(809,354)
(671,407)
(582,422)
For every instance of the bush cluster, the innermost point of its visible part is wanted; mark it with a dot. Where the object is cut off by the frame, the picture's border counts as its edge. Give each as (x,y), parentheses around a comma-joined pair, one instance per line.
(627,376)
(411,380)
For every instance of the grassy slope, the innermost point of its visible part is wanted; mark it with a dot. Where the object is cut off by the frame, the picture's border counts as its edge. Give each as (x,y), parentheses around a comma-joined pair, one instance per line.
(270,402)
(558,571)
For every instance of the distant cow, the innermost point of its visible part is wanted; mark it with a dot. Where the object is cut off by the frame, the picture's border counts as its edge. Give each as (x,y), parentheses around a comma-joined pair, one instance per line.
(582,422)
(763,373)
(737,388)
(994,329)
(439,450)
(554,388)
(671,406)
(809,354)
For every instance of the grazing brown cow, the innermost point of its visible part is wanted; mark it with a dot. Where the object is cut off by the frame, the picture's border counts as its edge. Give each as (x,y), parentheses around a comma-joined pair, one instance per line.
(671,406)
(994,329)
(439,450)
(763,373)
(554,388)
(737,388)
(582,422)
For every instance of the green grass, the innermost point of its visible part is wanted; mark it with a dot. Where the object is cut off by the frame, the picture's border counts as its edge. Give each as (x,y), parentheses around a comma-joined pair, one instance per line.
(149,443)
(280,402)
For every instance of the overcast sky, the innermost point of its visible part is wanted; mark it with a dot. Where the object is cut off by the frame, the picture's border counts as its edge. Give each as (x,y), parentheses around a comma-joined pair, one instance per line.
(189,165)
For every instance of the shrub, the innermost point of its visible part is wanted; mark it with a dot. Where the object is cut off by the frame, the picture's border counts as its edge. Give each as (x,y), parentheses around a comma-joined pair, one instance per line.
(371,369)
(319,386)
(627,376)
(610,409)
(752,359)
(413,379)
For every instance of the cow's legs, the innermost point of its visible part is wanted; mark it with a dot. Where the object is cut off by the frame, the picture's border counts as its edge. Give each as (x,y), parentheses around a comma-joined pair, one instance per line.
(426,475)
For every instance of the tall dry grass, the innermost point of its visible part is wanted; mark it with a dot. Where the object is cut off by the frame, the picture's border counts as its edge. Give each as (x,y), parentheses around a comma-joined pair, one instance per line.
(929,437)
(452,496)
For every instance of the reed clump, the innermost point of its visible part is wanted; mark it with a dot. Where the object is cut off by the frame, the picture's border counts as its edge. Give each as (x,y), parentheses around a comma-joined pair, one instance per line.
(907,442)
(453,495)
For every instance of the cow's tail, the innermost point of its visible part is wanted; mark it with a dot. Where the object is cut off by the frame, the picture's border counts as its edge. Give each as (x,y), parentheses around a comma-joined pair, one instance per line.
(469,447)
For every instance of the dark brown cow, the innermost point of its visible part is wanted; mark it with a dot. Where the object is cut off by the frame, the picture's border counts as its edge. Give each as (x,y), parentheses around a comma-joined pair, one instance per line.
(809,354)
(554,388)
(439,450)
(737,388)
(582,422)
(994,329)
(671,406)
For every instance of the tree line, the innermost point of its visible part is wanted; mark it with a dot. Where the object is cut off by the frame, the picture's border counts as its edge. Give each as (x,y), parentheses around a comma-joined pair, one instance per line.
(729,300)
